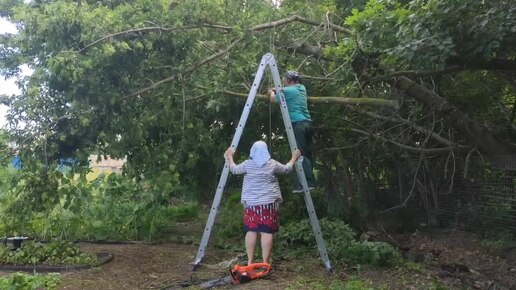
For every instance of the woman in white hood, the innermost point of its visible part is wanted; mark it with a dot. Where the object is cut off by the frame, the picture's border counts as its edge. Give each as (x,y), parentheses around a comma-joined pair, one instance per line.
(261,195)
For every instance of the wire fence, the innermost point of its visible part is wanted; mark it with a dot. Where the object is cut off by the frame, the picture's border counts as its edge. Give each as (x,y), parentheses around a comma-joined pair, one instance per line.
(466,193)
(483,196)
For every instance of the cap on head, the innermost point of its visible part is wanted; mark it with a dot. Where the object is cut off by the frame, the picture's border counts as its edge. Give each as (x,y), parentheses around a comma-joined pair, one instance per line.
(292,75)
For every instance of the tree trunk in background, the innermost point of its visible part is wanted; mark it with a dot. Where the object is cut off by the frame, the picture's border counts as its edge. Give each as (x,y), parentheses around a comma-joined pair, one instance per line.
(431,180)
(401,182)
(336,207)
(349,188)
(475,133)
(360,201)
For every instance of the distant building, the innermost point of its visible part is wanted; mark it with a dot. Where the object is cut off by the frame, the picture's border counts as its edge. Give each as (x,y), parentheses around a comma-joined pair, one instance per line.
(66,164)
(107,165)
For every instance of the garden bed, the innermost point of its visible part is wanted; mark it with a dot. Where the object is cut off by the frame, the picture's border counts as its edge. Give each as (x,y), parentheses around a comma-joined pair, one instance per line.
(102,258)
(55,256)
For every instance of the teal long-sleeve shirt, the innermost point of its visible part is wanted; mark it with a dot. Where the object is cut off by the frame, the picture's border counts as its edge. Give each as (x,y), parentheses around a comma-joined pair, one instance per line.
(297,103)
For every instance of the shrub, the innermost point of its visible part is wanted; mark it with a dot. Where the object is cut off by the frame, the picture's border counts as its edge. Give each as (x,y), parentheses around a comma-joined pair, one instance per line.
(228,231)
(109,208)
(340,241)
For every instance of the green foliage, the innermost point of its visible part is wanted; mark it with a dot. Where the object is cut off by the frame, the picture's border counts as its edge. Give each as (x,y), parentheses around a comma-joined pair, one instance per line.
(351,284)
(414,267)
(341,243)
(229,231)
(437,285)
(111,207)
(147,80)
(293,207)
(426,34)
(21,281)
(373,253)
(53,253)
(498,243)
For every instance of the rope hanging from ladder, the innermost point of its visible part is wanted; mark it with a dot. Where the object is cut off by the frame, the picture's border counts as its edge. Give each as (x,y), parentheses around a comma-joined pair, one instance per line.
(272,49)
(269,137)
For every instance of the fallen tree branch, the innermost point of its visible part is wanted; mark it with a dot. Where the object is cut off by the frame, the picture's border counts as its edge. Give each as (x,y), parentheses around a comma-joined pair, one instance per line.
(304,48)
(308,77)
(430,151)
(297,18)
(476,133)
(216,55)
(187,71)
(153,29)
(333,100)
(258,27)
(412,73)
(418,128)
(454,65)
(212,57)
(356,101)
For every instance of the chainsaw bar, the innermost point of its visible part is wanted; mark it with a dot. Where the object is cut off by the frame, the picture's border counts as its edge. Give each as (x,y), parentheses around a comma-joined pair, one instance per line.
(207,284)
(216,282)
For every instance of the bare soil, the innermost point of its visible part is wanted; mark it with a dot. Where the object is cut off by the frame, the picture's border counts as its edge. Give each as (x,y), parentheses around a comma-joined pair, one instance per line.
(449,259)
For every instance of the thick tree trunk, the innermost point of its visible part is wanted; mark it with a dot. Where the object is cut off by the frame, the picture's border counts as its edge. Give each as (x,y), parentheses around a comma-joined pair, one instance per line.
(332,100)
(475,133)
(360,201)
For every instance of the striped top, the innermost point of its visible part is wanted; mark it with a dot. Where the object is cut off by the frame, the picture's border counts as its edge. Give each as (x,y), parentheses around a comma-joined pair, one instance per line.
(260,183)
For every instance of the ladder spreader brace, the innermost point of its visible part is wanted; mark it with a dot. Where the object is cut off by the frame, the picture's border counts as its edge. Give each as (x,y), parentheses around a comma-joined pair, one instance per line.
(268,60)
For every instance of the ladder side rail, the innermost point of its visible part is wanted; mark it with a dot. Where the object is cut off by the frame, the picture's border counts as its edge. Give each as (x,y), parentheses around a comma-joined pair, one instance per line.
(225,172)
(314,221)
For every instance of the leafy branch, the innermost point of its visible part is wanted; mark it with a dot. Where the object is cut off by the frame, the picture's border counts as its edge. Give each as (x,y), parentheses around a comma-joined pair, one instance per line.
(188,70)
(153,29)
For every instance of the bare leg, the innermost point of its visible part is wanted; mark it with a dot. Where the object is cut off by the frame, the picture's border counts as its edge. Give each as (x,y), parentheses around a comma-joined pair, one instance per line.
(266,246)
(250,244)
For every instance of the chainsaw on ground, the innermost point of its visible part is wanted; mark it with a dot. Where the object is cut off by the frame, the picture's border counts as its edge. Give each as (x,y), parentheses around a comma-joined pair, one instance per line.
(240,275)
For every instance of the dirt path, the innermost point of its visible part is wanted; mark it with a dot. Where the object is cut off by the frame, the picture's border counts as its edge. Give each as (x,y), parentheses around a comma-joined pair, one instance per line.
(459,259)
(134,267)
(159,266)
(453,260)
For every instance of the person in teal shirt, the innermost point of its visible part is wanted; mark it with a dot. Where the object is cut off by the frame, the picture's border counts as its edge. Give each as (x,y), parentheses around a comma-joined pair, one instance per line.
(296,98)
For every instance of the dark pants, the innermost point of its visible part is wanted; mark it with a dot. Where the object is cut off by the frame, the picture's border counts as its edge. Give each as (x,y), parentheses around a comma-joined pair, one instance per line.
(304,139)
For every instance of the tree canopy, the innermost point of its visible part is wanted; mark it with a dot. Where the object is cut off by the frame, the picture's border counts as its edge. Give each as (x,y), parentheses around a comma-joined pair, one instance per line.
(162,82)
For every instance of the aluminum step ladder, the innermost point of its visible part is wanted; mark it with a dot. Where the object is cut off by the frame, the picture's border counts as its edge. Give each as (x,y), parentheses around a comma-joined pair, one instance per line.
(268,61)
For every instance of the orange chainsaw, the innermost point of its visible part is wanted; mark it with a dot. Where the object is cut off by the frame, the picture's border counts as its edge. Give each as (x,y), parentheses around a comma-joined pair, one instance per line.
(244,274)
(240,275)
